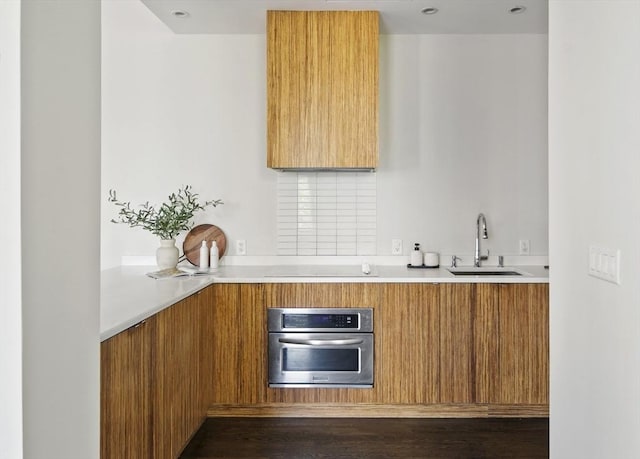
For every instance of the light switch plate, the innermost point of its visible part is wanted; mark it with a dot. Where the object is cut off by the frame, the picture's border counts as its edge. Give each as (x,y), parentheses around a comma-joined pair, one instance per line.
(604,263)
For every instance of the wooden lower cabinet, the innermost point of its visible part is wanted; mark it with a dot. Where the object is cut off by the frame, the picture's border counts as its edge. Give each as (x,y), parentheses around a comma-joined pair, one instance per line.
(523,349)
(440,349)
(238,344)
(486,343)
(447,345)
(178,406)
(155,382)
(512,344)
(125,379)
(457,351)
(408,340)
(464,344)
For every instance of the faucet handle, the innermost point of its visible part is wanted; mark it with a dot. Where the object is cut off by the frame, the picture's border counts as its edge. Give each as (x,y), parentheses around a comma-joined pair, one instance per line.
(454,261)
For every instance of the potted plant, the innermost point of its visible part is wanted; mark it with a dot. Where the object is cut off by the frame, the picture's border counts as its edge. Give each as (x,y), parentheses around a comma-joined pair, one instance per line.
(165,221)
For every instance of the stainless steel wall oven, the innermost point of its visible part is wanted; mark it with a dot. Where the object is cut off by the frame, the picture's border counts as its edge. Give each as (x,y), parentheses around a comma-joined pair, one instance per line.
(320,347)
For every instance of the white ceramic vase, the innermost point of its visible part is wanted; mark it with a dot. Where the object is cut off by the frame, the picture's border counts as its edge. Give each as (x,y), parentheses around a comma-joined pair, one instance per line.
(167,254)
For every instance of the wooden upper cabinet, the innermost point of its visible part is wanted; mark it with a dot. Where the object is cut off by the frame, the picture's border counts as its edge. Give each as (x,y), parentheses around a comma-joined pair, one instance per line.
(322,89)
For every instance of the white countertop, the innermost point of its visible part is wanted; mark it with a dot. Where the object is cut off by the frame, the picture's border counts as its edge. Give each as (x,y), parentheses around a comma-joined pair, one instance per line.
(128,296)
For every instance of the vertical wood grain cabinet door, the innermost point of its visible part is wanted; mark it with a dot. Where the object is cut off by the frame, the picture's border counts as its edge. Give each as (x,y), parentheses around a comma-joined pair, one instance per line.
(486,331)
(176,388)
(524,343)
(511,331)
(157,381)
(456,343)
(409,344)
(322,89)
(125,410)
(238,344)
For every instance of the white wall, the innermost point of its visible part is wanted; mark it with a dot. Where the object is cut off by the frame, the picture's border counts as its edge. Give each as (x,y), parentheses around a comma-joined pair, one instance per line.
(183,110)
(60,228)
(462,130)
(10,275)
(594,159)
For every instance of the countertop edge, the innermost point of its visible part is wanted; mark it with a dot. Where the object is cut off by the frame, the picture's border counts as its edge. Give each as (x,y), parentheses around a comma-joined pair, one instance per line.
(141,316)
(128,296)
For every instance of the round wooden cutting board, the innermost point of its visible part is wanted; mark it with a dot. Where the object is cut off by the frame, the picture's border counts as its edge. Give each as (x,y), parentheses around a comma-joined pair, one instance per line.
(193,241)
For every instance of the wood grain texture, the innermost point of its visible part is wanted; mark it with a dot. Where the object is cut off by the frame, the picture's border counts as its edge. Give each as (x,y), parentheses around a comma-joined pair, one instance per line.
(322,89)
(206,306)
(433,343)
(409,333)
(486,343)
(379,410)
(155,389)
(327,296)
(176,398)
(125,413)
(457,375)
(524,343)
(239,344)
(518,411)
(490,343)
(205,232)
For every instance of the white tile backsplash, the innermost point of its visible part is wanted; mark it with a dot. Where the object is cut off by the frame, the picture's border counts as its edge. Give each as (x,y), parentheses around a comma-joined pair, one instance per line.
(326,213)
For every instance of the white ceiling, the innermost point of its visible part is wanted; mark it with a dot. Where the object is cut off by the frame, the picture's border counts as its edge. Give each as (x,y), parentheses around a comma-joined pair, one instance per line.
(397,16)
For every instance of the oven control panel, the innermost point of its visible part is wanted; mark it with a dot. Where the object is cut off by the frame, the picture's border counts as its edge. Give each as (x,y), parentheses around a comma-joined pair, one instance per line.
(320,319)
(295,321)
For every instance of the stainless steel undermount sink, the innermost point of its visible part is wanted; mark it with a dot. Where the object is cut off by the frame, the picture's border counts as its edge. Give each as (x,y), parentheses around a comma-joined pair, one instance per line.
(484,271)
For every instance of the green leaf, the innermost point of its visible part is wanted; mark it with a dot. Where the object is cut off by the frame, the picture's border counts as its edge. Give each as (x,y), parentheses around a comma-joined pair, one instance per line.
(167,220)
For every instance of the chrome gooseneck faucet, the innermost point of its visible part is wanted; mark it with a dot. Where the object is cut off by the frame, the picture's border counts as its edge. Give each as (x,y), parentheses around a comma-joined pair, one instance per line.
(477,258)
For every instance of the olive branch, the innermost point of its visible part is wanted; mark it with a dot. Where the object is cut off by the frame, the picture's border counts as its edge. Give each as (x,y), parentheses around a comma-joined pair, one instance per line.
(167,220)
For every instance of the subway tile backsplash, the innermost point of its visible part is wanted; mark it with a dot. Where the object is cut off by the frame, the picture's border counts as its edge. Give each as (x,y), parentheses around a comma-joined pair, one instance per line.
(326,213)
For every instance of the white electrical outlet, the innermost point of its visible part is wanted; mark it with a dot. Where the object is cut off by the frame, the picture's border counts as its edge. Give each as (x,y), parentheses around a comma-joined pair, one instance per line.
(525,246)
(241,247)
(604,263)
(396,246)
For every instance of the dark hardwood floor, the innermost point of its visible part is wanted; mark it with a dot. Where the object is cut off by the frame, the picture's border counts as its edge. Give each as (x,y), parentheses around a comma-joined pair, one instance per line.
(348,438)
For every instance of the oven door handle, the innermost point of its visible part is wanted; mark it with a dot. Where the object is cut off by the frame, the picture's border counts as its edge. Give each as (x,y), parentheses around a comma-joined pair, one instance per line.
(322,342)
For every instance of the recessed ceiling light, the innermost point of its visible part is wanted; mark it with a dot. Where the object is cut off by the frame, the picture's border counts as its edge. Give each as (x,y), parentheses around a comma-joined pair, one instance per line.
(517,9)
(181,14)
(429,10)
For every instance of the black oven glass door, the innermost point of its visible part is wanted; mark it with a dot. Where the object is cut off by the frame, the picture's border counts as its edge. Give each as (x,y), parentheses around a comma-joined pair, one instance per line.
(314,359)
(321,358)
